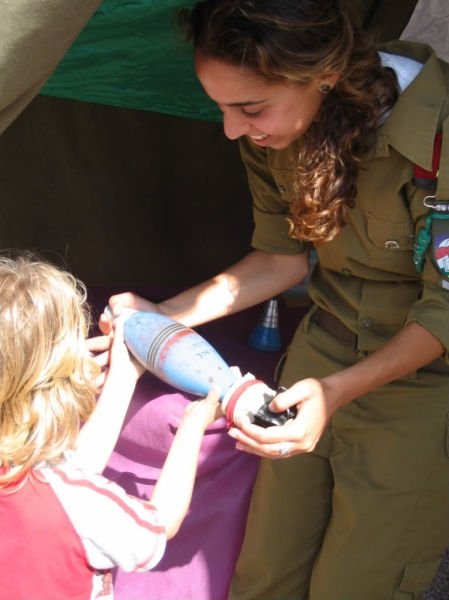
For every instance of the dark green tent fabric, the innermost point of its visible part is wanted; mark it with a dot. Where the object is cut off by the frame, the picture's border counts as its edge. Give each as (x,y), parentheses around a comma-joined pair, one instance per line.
(131,55)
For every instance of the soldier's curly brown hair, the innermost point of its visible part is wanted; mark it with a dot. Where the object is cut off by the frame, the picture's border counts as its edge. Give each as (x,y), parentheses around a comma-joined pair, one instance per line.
(297,41)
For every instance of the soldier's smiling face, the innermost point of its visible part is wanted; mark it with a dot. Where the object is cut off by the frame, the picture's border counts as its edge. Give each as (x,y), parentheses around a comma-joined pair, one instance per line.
(271,114)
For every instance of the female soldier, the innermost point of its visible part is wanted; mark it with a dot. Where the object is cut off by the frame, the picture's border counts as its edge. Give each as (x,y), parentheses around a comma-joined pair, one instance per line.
(330,130)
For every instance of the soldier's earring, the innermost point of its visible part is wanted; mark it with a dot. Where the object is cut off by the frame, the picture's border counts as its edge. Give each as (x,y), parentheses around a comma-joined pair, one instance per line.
(325,88)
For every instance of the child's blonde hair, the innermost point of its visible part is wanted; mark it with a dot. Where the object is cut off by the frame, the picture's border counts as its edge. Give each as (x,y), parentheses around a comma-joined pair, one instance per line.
(47,376)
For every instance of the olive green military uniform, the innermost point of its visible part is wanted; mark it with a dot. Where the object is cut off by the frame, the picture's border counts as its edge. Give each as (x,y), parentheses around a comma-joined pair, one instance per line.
(366,515)
(34,35)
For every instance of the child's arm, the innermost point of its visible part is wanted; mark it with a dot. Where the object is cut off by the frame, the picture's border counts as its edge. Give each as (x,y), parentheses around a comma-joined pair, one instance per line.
(124,530)
(99,434)
(173,491)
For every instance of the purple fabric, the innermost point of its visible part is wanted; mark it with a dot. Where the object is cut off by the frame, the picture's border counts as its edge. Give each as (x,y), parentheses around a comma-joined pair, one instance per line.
(199,560)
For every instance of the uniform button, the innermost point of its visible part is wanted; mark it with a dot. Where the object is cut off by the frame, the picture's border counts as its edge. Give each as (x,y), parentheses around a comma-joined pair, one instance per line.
(346,272)
(367,322)
(282,189)
(391,245)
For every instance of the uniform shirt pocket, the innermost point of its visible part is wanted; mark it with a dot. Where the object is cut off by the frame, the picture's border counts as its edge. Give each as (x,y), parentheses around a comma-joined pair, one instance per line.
(392,244)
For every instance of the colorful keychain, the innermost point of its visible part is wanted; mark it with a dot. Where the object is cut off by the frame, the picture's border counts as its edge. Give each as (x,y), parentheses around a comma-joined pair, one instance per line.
(435,232)
(436,226)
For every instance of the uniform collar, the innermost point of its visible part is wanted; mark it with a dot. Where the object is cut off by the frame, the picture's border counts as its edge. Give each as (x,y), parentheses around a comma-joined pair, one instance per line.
(416,117)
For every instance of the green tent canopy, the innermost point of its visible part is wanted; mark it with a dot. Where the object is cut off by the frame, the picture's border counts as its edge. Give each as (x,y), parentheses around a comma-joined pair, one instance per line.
(131,55)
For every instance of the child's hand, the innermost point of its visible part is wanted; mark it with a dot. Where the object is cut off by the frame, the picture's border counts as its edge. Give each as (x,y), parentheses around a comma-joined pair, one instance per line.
(206,410)
(99,347)
(121,362)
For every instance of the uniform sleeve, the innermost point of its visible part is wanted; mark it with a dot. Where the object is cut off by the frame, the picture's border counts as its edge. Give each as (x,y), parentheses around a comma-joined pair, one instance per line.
(270,207)
(34,34)
(115,529)
(431,309)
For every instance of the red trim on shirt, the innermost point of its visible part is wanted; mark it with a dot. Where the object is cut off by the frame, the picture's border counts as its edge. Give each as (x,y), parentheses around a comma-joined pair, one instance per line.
(113,496)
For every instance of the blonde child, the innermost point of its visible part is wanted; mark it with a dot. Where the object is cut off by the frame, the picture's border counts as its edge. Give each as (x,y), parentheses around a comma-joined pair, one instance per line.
(64,526)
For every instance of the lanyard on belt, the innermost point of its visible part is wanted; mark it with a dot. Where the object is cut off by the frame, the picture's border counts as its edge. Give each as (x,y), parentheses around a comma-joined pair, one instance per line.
(436,228)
